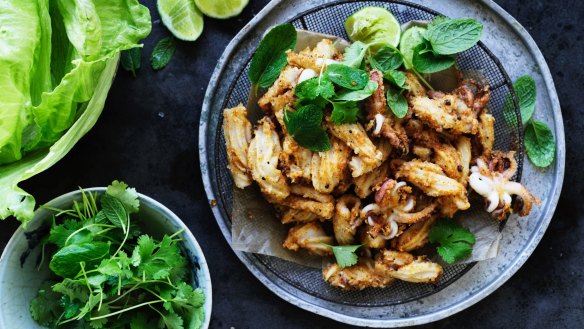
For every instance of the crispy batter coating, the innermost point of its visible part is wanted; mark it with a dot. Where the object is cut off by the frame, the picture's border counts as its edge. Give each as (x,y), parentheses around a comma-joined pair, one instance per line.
(415,236)
(364,184)
(310,236)
(403,266)
(264,150)
(315,59)
(328,168)
(281,92)
(360,167)
(430,178)
(295,161)
(415,87)
(289,215)
(346,219)
(359,276)
(446,113)
(486,133)
(354,135)
(306,198)
(237,133)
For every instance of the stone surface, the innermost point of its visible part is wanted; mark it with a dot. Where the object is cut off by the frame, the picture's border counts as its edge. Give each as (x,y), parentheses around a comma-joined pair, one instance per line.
(147,136)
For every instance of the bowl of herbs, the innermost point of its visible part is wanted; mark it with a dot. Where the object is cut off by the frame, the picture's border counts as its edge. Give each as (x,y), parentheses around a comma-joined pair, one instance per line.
(104,258)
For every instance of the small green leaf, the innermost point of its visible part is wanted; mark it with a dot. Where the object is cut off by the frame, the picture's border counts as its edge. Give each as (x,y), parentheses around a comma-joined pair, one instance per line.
(162,53)
(539,144)
(345,255)
(115,211)
(347,77)
(304,126)
(127,195)
(344,112)
(65,262)
(397,102)
(525,90)
(357,95)
(270,57)
(354,54)
(425,61)
(388,58)
(452,36)
(131,60)
(455,241)
(396,78)
(437,20)
(311,89)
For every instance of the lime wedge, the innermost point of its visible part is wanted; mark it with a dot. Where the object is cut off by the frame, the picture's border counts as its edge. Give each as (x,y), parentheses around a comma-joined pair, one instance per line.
(221,8)
(409,40)
(375,26)
(182,18)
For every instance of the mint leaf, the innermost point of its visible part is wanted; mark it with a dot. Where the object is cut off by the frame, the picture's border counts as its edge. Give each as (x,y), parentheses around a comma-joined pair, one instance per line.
(65,262)
(312,88)
(127,196)
(344,112)
(162,53)
(347,77)
(388,58)
(396,78)
(397,102)
(131,60)
(539,144)
(270,57)
(357,95)
(437,20)
(345,255)
(60,233)
(455,241)
(305,127)
(425,61)
(354,54)
(115,211)
(453,36)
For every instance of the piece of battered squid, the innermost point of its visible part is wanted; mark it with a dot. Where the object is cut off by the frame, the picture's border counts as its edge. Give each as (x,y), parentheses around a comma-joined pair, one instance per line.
(237,133)
(310,236)
(404,266)
(328,168)
(272,100)
(360,168)
(264,150)
(354,135)
(306,198)
(415,236)
(346,219)
(295,161)
(445,112)
(430,178)
(359,276)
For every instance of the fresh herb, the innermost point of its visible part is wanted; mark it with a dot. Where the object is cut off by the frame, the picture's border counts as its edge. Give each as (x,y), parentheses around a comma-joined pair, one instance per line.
(396,78)
(347,77)
(162,53)
(112,276)
(437,20)
(305,127)
(452,36)
(131,60)
(386,58)
(344,112)
(354,54)
(426,61)
(270,57)
(455,241)
(525,90)
(345,255)
(397,102)
(311,89)
(357,95)
(539,143)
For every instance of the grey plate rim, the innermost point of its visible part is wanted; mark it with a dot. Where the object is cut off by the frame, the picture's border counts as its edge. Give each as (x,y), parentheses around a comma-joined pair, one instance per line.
(414,320)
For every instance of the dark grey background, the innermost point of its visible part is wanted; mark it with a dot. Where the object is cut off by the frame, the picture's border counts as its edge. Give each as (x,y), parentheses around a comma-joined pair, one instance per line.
(147,136)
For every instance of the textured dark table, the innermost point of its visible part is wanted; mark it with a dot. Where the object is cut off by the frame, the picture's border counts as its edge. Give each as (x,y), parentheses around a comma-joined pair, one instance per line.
(147,136)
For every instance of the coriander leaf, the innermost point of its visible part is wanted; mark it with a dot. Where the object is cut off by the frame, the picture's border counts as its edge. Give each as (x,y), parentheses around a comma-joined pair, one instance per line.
(396,78)
(388,58)
(354,54)
(425,61)
(70,307)
(270,57)
(346,76)
(345,255)
(44,308)
(311,89)
(157,260)
(397,102)
(100,323)
(344,112)
(65,262)
(131,60)
(357,95)
(539,144)
(127,195)
(453,36)
(162,53)
(304,126)
(60,233)
(171,321)
(115,211)
(455,241)
(141,321)
(525,90)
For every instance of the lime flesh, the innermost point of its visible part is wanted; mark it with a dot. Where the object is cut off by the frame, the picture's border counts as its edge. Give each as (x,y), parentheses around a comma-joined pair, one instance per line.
(182,18)
(221,8)
(375,26)
(409,40)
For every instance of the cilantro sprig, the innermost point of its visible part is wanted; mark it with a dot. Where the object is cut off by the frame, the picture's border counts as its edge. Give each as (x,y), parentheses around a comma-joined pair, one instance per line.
(345,255)
(107,274)
(455,242)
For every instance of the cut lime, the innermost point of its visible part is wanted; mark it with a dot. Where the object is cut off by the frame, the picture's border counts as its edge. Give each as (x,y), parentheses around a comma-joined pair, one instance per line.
(221,8)
(375,26)
(409,40)
(182,18)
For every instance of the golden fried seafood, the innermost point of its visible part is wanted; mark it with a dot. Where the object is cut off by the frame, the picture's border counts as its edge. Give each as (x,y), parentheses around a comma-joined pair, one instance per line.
(355,136)
(237,133)
(295,161)
(364,184)
(415,236)
(272,99)
(359,276)
(311,237)
(308,199)
(445,112)
(403,266)
(328,168)
(289,215)
(430,178)
(346,219)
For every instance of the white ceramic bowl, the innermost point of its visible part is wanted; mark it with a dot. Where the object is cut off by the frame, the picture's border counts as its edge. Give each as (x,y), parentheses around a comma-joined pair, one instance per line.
(20,280)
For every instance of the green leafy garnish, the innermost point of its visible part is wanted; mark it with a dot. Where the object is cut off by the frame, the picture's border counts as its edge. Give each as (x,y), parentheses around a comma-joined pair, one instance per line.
(397,102)
(539,143)
(452,36)
(305,127)
(347,77)
(344,112)
(396,78)
(354,54)
(387,58)
(357,95)
(525,90)
(311,89)
(100,285)
(162,53)
(455,241)
(426,61)
(270,57)
(345,255)
(131,60)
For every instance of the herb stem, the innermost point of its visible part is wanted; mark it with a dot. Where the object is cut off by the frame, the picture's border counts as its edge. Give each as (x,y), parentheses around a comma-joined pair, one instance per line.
(126,310)
(422,79)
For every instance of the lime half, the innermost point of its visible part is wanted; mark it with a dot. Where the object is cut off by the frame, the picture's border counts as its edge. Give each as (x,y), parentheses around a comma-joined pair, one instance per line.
(221,8)
(375,26)
(409,40)
(182,18)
